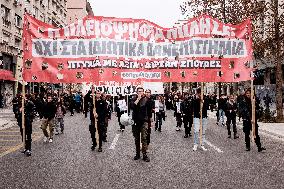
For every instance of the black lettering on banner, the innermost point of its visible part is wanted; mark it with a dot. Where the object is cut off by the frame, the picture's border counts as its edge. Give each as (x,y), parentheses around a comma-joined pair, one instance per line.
(64,50)
(38,48)
(106,89)
(47,45)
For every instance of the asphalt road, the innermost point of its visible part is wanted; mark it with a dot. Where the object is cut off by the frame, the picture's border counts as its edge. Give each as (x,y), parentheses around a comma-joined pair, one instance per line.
(68,162)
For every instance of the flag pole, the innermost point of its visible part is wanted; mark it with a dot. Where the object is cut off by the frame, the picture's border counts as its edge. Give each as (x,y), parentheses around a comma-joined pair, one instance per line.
(201,107)
(253,110)
(95,112)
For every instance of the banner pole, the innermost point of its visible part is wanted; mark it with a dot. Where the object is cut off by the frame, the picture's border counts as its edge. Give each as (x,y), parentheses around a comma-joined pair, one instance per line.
(23,114)
(201,107)
(253,110)
(95,112)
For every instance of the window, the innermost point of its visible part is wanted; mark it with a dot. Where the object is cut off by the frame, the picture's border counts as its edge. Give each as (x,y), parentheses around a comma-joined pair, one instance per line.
(5,14)
(17,42)
(18,20)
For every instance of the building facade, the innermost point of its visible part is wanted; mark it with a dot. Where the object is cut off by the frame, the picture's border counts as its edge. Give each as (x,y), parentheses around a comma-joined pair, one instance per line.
(12,12)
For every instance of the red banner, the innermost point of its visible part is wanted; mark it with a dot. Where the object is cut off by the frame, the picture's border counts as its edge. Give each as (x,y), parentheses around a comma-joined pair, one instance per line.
(6,75)
(112,49)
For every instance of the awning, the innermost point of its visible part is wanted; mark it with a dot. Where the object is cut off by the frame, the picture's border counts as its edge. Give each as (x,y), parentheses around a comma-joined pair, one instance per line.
(7,75)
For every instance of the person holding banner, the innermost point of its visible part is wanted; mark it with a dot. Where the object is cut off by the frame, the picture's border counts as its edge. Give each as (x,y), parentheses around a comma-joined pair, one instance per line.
(152,104)
(141,115)
(196,119)
(187,112)
(48,118)
(101,115)
(121,108)
(246,113)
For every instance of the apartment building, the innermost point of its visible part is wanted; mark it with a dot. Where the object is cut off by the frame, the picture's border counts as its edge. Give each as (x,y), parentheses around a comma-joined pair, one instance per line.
(77,9)
(12,11)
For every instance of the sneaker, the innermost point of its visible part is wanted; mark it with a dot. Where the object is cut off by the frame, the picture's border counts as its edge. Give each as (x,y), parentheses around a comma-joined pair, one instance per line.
(28,153)
(185,136)
(122,130)
(50,140)
(93,148)
(247,149)
(194,147)
(45,139)
(229,136)
(178,129)
(203,148)
(57,133)
(100,150)
(23,151)
(236,136)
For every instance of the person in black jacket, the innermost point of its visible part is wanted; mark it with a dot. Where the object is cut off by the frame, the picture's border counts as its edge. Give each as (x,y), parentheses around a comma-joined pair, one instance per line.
(87,100)
(231,114)
(100,116)
(141,115)
(177,111)
(245,106)
(196,119)
(221,109)
(48,118)
(29,116)
(187,112)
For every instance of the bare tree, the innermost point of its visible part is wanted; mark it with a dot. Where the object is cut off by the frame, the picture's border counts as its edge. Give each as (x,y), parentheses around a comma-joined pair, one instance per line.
(268,30)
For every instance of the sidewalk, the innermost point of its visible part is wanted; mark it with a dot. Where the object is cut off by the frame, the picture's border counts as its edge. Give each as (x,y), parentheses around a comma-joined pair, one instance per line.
(275,129)
(7,118)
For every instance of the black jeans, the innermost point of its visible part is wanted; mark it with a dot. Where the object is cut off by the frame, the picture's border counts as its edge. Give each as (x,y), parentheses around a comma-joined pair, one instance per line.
(28,136)
(231,119)
(247,129)
(158,123)
(101,128)
(188,121)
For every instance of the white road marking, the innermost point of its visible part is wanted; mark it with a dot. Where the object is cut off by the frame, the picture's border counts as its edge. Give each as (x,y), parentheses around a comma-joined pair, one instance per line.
(113,144)
(214,147)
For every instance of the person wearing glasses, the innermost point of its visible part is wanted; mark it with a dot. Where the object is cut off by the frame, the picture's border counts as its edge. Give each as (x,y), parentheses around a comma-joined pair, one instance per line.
(48,118)
(141,115)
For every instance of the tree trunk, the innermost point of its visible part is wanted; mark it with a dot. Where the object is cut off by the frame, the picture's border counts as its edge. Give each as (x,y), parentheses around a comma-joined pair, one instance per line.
(279,79)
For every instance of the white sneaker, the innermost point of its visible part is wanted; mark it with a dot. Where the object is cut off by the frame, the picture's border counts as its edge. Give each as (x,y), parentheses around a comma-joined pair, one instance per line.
(194,147)
(50,140)
(178,129)
(45,139)
(203,148)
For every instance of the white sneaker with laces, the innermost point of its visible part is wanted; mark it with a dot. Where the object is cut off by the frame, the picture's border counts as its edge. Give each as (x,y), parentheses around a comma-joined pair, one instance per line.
(203,148)
(194,147)
(50,140)
(45,139)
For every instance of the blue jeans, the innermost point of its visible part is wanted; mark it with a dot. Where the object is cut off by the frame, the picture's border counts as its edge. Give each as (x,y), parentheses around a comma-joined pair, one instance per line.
(196,124)
(221,116)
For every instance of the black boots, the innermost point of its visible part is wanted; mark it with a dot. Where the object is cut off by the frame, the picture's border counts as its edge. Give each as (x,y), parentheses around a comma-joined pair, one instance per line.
(137,156)
(261,149)
(146,158)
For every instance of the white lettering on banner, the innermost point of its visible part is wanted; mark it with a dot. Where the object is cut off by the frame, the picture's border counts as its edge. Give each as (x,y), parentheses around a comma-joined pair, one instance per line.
(133,30)
(116,90)
(195,47)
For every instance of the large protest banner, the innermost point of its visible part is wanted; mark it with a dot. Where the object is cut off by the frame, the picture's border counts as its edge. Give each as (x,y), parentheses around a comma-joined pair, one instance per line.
(112,49)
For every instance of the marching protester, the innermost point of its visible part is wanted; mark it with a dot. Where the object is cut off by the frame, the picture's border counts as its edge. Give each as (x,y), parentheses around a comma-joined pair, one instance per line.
(121,108)
(49,112)
(159,111)
(141,115)
(107,118)
(197,117)
(187,112)
(245,106)
(87,100)
(152,105)
(98,117)
(60,113)
(29,109)
(231,113)
(221,110)
(177,112)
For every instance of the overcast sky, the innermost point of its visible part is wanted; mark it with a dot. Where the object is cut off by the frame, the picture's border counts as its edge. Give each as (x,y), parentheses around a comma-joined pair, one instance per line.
(162,12)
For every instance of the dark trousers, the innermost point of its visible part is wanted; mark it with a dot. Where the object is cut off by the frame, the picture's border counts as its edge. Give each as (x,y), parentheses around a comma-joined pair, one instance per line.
(71,108)
(178,119)
(158,123)
(92,129)
(137,130)
(247,129)
(188,121)
(28,136)
(231,119)
(86,109)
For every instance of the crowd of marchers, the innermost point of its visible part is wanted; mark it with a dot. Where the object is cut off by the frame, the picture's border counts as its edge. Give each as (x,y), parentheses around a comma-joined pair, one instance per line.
(144,109)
